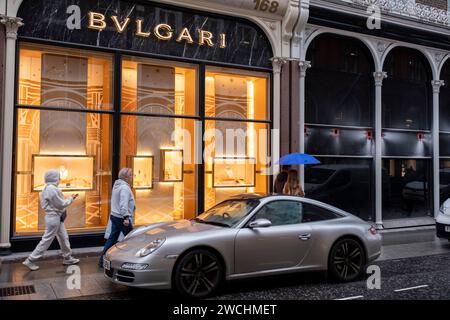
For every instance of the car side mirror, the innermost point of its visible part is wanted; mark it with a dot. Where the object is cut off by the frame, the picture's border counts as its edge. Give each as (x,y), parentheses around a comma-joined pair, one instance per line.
(260,223)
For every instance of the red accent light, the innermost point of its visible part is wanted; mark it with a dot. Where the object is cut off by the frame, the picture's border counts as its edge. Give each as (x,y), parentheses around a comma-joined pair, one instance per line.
(369,134)
(335,132)
(420,136)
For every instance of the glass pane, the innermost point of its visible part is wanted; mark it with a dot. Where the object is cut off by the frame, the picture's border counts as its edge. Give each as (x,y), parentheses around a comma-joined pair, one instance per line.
(444,182)
(444,145)
(412,144)
(79,145)
(339,82)
(150,86)
(444,99)
(164,182)
(335,141)
(406,188)
(64,78)
(236,159)
(344,183)
(236,95)
(407,91)
(281,213)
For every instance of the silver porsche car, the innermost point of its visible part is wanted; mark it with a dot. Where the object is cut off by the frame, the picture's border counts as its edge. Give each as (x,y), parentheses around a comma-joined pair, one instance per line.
(246,236)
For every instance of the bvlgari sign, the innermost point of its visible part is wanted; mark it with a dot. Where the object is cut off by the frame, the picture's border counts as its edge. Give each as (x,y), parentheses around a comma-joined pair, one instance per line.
(146,27)
(162,31)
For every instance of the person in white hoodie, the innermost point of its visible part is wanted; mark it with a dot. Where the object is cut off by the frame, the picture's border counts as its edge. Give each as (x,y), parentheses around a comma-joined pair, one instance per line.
(123,206)
(54,203)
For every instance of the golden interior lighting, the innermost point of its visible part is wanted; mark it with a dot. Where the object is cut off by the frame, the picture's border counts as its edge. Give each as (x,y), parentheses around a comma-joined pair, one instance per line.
(172,165)
(233,172)
(76,172)
(142,172)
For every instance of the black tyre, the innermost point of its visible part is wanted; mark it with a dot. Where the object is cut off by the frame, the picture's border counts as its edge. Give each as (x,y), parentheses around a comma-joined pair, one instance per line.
(198,274)
(347,260)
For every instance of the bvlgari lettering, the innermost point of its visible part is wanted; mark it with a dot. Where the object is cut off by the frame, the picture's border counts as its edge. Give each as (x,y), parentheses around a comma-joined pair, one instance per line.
(162,31)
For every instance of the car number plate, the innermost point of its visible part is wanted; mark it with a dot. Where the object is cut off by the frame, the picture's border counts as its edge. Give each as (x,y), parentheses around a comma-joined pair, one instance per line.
(106,264)
(447,228)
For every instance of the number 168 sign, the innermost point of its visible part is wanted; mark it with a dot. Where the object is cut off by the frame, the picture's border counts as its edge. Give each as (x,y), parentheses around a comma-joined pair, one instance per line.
(266,5)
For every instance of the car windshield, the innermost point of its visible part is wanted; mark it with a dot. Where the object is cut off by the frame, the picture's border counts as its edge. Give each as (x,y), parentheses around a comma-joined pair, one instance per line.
(228,213)
(318,175)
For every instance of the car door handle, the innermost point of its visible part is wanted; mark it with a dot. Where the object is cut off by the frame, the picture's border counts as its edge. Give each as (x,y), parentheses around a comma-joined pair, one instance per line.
(305,236)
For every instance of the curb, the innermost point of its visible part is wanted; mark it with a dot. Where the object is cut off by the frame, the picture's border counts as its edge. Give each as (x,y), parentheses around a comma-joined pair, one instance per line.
(51,255)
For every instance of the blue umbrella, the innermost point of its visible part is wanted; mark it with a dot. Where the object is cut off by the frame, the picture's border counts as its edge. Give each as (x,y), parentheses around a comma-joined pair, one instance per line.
(297,158)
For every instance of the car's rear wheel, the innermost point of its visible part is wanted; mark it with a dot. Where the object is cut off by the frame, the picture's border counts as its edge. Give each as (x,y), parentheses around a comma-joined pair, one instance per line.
(347,260)
(198,274)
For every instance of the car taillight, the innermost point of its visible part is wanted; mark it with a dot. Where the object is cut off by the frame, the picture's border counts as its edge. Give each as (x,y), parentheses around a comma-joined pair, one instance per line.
(373,230)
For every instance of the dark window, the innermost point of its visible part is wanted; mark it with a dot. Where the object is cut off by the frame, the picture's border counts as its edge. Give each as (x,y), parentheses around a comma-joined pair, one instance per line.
(312,213)
(444,179)
(406,90)
(282,212)
(444,99)
(406,188)
(345,183)
(339,83)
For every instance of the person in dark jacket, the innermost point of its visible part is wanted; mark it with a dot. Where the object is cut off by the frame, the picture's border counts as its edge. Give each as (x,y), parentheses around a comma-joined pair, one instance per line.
(281,179)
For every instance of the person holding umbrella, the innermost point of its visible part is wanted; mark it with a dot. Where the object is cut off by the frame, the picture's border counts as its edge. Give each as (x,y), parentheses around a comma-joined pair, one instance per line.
(292,186)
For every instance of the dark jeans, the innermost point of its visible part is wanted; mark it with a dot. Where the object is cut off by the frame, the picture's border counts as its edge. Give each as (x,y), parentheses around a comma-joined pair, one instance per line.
(116,228)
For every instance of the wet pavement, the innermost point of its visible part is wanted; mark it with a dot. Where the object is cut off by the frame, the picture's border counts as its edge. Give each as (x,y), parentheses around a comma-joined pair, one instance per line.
(414,265)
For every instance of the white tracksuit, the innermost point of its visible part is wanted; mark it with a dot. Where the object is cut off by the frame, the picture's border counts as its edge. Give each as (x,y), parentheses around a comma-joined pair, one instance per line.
(53,202)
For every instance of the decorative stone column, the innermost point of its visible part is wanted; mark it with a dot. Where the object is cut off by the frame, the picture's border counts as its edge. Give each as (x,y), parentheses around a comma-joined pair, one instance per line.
(379,76)
(277,63)
(436,84)
(12,25)
(304,66)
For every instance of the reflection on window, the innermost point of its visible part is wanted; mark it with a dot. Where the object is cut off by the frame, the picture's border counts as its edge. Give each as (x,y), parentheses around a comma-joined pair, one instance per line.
(281,213)
(444,179)
(344,183)
(407,188)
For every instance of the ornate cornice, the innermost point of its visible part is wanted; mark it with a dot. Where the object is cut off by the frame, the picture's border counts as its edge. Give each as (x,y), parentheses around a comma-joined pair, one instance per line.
(304,65)
(437,84)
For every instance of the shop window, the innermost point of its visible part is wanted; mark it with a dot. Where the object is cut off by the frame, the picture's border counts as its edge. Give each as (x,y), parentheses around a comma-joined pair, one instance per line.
(233,95)
(407,188)
(60,78)
(407,91)
(236,159)
(339,82)
(344,183)
(444,180)
(171,195)
(150,86)
(236,149)
(78,144)
(444,99)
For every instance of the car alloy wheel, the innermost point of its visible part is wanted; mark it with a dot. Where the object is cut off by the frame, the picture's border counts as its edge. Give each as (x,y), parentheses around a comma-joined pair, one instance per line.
(198,274)
(347,260)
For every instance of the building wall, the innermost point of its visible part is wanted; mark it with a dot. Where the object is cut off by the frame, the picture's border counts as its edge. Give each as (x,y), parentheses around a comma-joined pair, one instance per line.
(440,4)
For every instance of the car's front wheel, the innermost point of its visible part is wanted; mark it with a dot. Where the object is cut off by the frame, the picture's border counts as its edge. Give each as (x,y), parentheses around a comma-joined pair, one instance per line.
(198,274)
(347,260)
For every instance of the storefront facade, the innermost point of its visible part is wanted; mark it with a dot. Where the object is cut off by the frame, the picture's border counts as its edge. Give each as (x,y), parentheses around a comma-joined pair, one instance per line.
(187,98)
(375,108)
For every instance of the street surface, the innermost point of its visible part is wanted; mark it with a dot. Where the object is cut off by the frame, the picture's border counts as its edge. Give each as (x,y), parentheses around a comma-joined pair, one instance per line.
(413,265)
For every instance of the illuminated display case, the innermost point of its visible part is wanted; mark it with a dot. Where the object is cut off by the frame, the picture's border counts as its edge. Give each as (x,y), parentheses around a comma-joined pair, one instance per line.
(171,165)
(142,172)
(229,172)
(76,172)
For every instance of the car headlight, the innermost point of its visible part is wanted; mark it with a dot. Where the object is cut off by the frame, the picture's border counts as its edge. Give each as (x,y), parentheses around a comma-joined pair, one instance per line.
(134,266)
(151,247)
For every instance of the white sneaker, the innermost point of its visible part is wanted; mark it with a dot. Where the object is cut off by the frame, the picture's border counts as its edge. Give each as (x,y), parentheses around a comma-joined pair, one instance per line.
(30,265)
(71,260)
